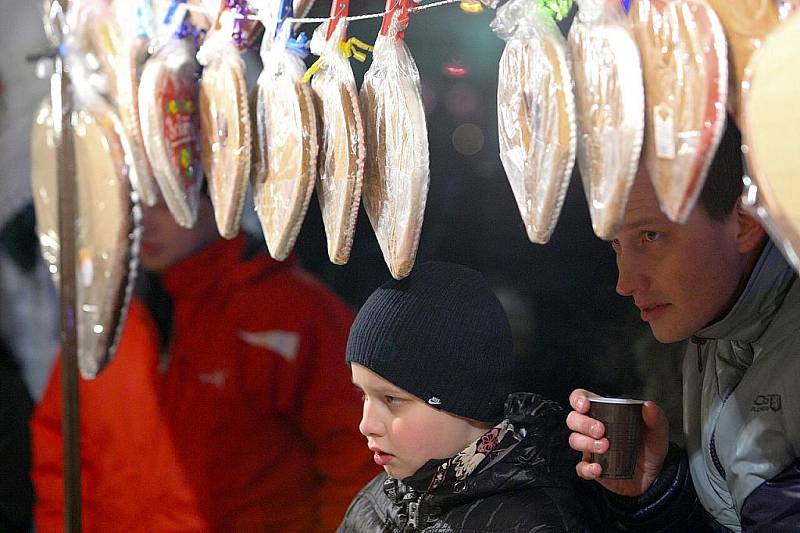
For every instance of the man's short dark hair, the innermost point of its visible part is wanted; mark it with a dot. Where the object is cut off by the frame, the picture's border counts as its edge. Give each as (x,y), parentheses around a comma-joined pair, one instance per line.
(723,185)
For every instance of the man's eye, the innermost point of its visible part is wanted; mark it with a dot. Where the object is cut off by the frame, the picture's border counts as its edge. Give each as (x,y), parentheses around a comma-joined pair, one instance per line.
(651,236)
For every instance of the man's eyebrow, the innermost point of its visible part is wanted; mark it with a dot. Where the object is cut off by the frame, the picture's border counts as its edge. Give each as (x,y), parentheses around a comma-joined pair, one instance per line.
(643,221)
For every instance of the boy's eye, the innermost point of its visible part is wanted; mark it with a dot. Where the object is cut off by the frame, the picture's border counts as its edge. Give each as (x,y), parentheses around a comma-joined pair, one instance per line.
(392,400)
(615,244)
(651,236)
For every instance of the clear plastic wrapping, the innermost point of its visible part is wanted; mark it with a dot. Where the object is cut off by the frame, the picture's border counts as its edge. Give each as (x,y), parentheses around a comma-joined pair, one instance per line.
(609,100)
(285,148)
(225,129)
(106,242)
(746,23)
(685,65)
(397,173)
(168,108)
(770,115)
(535,114)
(342,150)
(122,57)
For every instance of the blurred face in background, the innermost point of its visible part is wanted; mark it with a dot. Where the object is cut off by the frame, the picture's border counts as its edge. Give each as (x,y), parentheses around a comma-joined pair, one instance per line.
(682,277)
(164,242)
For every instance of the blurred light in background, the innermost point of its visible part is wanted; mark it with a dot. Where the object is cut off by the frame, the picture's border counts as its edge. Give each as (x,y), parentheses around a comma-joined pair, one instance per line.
(455,70)
(468,139)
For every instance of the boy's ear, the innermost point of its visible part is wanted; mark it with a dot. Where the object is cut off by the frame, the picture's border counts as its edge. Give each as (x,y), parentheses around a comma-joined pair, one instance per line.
(750,233)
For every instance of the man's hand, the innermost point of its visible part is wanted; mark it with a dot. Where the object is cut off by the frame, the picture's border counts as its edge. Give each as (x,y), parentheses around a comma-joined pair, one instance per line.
(588,436)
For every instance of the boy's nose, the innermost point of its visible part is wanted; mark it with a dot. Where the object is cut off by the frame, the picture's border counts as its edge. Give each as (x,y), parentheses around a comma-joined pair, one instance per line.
(370,425)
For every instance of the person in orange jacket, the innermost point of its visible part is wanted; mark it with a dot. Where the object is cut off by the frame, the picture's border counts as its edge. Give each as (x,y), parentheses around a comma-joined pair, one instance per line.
(230,413)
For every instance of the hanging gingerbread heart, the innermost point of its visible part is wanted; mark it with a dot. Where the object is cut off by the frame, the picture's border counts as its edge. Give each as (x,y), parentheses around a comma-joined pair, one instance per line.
(123,57)
(168,96)
(685,65)
(535,114)
(107,240)
(224,125)
(746,23)
(342,149)
(285,142)
(770,116)
(397,174)
(609,95)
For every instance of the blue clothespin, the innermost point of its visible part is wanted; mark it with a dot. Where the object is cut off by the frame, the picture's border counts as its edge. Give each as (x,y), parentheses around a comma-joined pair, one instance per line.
(626,4)
(297,45)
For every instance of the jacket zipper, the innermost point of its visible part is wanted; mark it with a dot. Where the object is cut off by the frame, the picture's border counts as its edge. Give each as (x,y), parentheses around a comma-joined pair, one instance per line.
(699,342)
(413,515)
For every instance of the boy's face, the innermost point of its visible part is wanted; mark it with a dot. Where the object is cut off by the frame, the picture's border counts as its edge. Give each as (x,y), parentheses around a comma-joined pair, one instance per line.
(681,276)
(165,242)
(402,431)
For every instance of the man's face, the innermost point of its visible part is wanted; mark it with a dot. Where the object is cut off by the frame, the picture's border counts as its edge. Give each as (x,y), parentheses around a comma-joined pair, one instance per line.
(402,431)
(681,276)
(164,242)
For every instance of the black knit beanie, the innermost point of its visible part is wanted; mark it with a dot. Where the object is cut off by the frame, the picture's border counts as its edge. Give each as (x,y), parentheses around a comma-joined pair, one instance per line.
(442,335)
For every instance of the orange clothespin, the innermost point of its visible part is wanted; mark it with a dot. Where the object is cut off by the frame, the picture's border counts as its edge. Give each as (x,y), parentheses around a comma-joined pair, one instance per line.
(339,9)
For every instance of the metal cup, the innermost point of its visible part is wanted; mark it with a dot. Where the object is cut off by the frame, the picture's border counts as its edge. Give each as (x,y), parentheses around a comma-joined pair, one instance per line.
(622,418)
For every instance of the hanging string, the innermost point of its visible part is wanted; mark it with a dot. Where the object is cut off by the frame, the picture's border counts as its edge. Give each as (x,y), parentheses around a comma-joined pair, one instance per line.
(292,20)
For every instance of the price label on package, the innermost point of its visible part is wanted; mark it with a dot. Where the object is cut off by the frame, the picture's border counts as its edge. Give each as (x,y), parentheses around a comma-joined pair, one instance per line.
(664,131)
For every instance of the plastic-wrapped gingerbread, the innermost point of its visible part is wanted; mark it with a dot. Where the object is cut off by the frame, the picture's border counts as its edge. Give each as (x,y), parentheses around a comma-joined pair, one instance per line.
(122,54)
(168,107)
(609,100)
(535,113)
(685,65)
(107,235)
(397,174)
(225,122)
(770,115)
(341,132)
(285,137)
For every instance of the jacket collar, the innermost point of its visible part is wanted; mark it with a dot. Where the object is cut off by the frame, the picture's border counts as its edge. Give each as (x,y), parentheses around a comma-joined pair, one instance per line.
(762,296)
(208,269)
(520,451)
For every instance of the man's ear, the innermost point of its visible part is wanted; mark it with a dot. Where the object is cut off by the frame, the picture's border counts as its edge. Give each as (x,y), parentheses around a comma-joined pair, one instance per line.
(750,233)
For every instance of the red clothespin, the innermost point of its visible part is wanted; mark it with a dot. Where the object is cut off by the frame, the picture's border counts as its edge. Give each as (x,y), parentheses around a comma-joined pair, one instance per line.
(392,6)
(339,9)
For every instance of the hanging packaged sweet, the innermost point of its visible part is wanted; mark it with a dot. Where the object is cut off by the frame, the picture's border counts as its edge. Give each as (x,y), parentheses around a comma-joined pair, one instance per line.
(123,54)
(609,101)
(746,23)
(168,107)
(342,150)
(285,143)
(107,240)
(770,118)
(685,65)
(397,174)
(535,114)
(225,124)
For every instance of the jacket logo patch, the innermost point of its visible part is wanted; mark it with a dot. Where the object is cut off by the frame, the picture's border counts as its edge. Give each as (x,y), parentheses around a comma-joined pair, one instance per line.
(767,402)
(216,378)
(284,343)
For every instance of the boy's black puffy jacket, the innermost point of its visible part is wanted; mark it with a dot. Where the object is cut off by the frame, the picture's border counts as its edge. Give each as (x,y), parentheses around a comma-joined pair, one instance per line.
(529,488)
